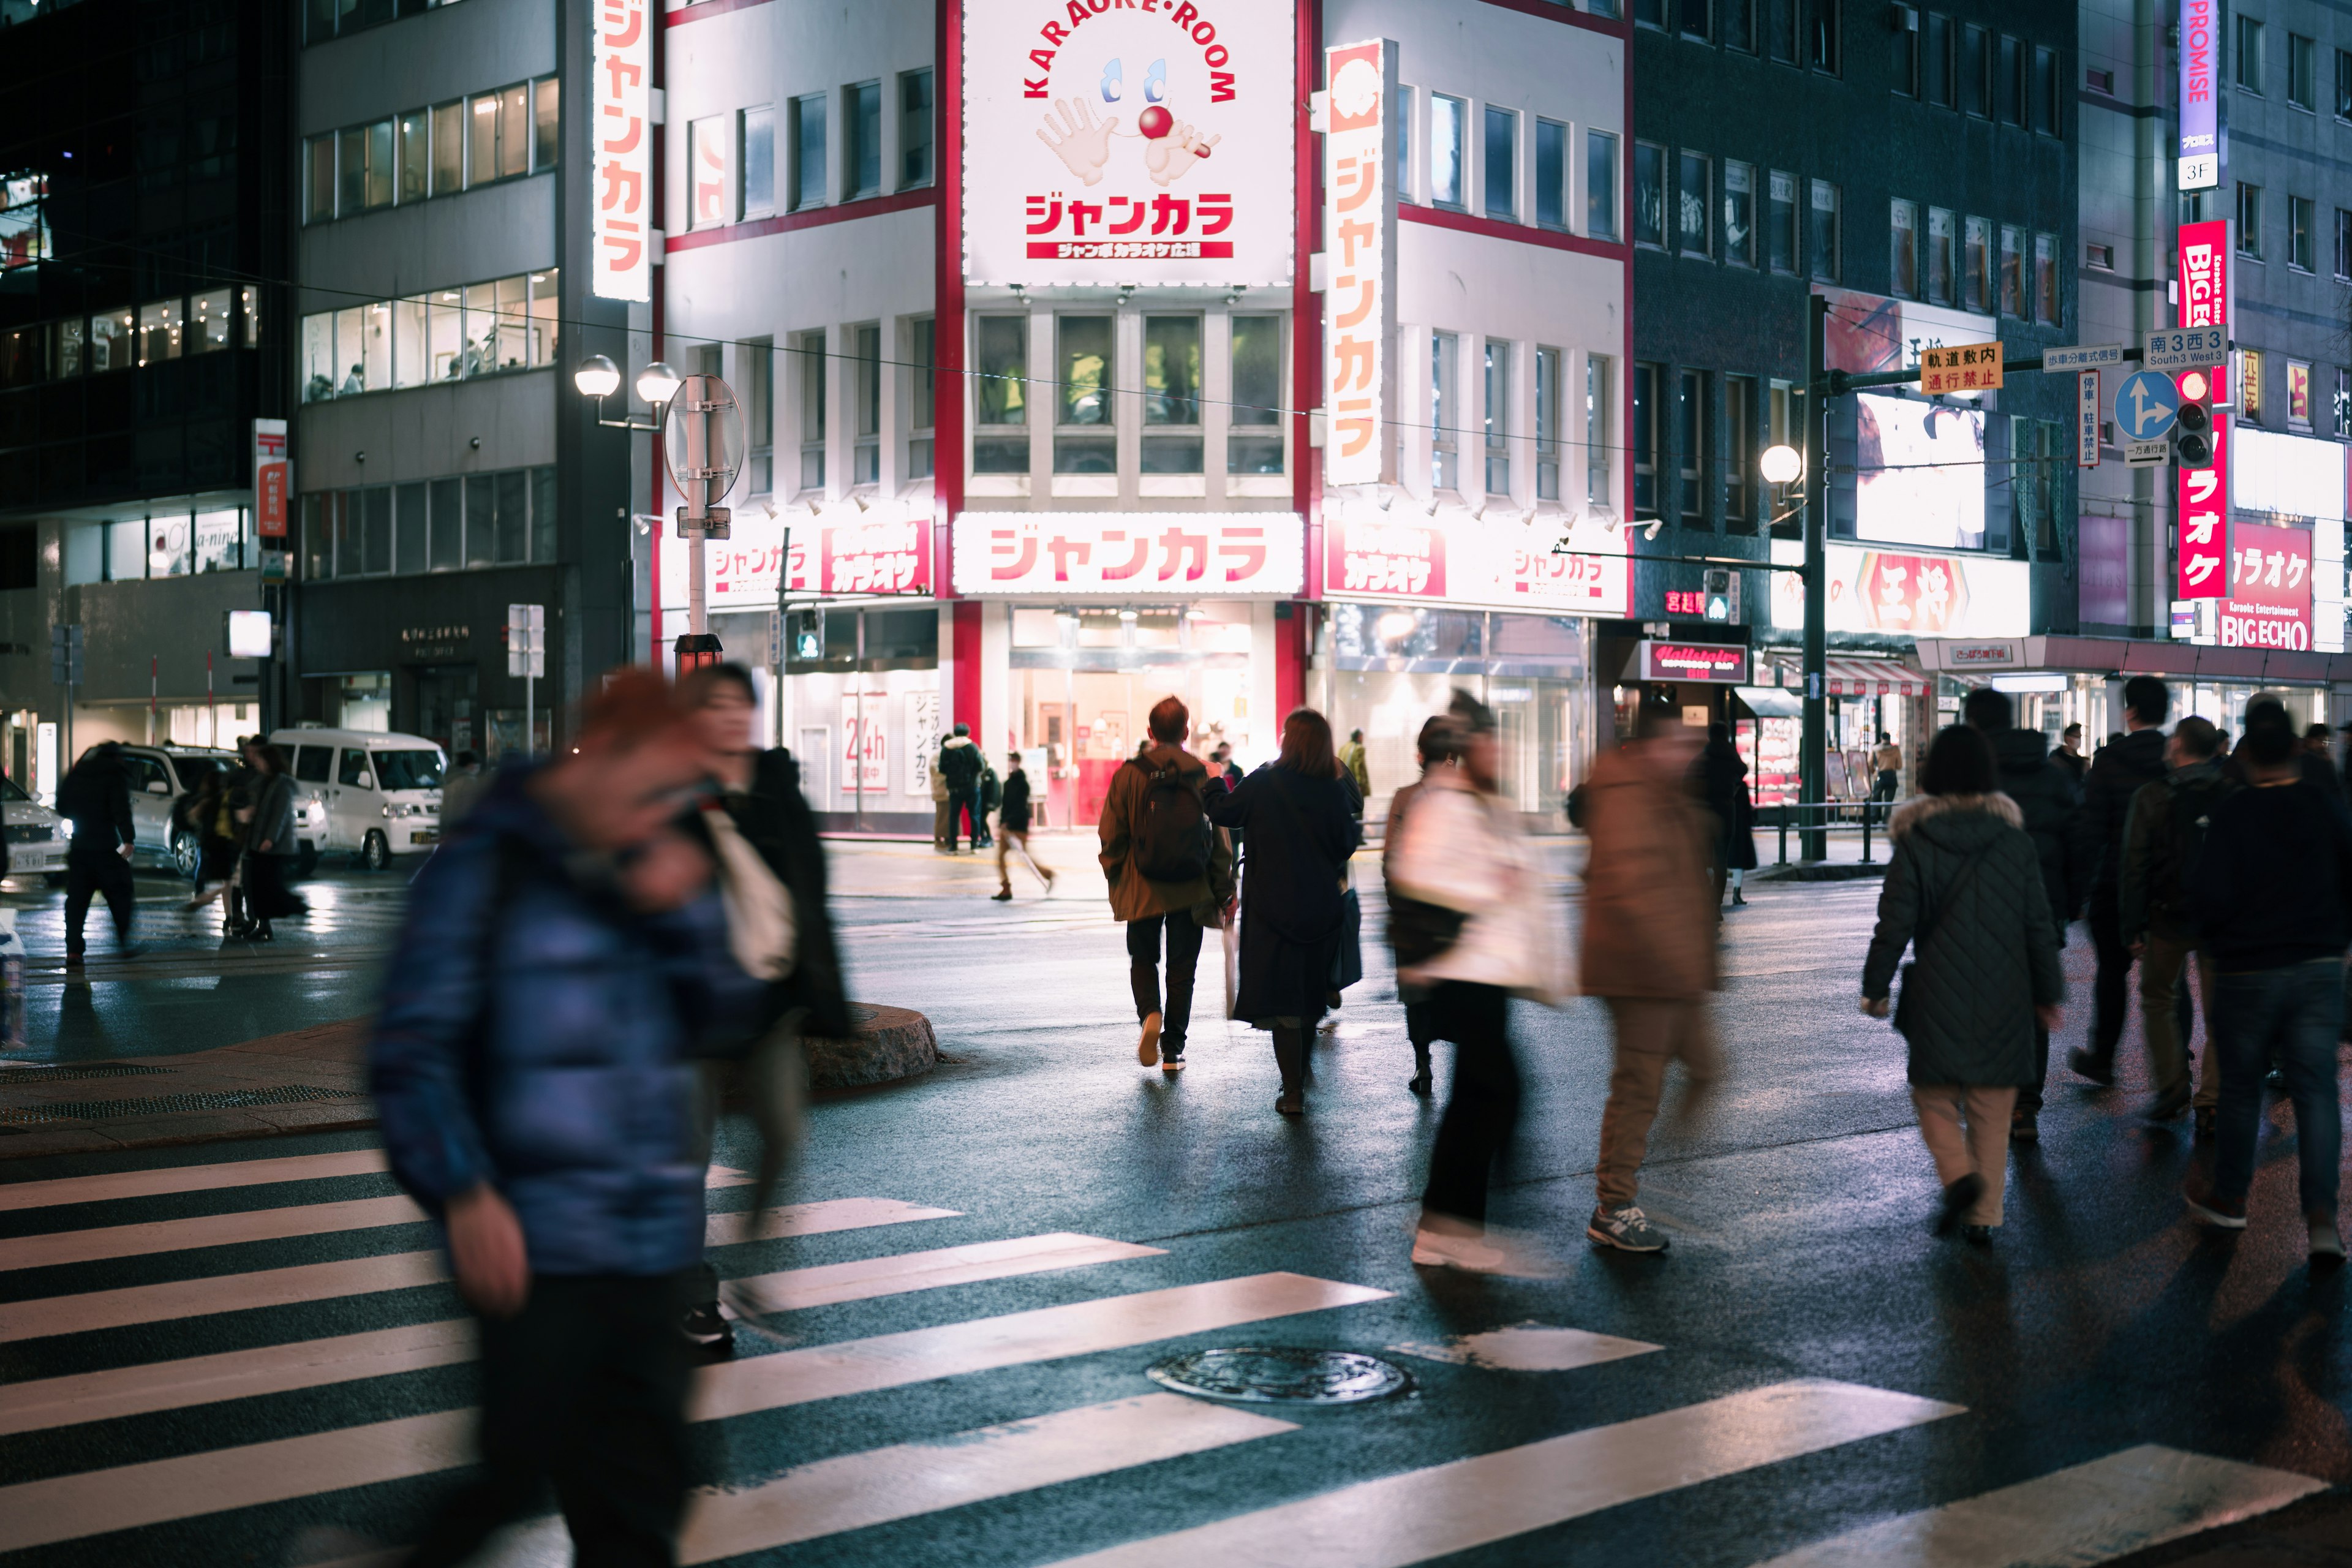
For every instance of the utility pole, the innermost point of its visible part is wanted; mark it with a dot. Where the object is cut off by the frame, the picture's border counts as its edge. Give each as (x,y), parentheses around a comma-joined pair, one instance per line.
(1812,755)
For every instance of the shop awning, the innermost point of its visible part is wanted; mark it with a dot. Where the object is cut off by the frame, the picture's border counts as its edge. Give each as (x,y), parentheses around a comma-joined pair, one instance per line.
(1851,676)
(1769,701)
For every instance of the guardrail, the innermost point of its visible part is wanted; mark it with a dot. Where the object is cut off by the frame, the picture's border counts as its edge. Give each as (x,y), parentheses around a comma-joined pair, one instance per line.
(1825,816)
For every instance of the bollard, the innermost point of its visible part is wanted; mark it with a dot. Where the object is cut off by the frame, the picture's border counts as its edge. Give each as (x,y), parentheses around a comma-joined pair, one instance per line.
(1865,836)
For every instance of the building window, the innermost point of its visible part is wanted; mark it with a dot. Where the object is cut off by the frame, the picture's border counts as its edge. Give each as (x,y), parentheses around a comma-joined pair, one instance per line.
(1600,186)
(760,412)
(1942,264)
(922,396)
(1548,407)
(2049,111)
(324,19)
(1690,209)
(1649,194)
(759,161)
(1444,389)
(1976,265)
(2343,85)
(414,130)
(1171,396)
(1402,108)
(1445,116)
(2013,94)
(808,129)
(502,519)
(1826,43)
(1740,214)
(1697,461)
(1495,408)
(1598,443)
(2250,221)
(808,350)
(1739,414)
(1084,360)
(2250,384)
(1977,71)
(2012,272)
(865,362)
(1650,12)
(1253,441)
(1646,439)
(2045,279)
(2343,245)
(431,152)
(1941,87)
(1694,18)
(2301,217)
(546,123)
(444,334)
(1551,174)
(1001,395)
(2302,68)
(2099,80)
(1738,20)
(2298,395)
(448,148)
(319,154)
(2099,258)
(1903,244)
(2250,55)
(861,136)
(2342,403)
(1781,27)
(915,161)
(1780,222)
(1502,170)
(1907,52)
(1822,239)
(711,152)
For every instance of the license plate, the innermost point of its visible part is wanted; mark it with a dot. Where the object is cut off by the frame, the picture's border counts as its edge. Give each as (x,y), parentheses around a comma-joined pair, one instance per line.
(428,835)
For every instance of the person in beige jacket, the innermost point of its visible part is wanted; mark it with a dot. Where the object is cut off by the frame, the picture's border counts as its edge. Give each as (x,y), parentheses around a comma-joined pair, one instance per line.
(1650,951)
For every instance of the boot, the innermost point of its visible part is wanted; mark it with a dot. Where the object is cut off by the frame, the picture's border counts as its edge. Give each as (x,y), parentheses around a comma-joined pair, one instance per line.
(1290,1058)
(1421,1082)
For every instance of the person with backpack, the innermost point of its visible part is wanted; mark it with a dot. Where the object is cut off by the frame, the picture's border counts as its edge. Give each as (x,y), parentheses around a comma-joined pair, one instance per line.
(959,765)
(2125,764)
(1013,832)
(1440,741)
(1298,818)
(992,795)
(2163,839)
(1170,876)
(95,796)
(1964,892)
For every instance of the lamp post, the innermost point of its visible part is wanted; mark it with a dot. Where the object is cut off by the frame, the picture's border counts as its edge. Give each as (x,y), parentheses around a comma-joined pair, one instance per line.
(598,377)
(1813,762)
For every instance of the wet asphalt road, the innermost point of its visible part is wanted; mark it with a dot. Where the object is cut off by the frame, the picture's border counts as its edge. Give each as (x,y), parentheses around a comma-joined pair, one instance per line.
(1797,1195)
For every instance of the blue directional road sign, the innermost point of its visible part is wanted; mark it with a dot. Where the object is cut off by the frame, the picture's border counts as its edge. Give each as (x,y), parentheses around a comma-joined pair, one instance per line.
(2146,406)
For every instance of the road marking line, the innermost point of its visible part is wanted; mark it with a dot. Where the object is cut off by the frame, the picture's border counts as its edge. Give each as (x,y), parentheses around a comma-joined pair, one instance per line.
(38,1405)
(858,1491)
(1420,1514)
(2109,1508)
(158,1491)
(364,1214)
(1528,1347)
(163,1179)
(361,1276)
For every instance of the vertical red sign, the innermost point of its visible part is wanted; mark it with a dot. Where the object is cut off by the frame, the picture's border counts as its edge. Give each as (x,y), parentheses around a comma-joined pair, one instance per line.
(271,478)
(2204,293)
(2202,504)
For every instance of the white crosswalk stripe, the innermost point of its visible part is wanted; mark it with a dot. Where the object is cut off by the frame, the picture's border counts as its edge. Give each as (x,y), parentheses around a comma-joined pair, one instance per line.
(229,1174)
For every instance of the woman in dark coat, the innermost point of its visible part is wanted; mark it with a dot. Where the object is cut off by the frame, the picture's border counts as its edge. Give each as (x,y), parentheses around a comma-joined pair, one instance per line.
(1964,889)
(1723,784)
(1300,817)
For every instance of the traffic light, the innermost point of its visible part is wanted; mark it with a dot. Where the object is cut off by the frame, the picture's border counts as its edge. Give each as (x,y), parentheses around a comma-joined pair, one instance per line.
(2192,426)
(1722,593)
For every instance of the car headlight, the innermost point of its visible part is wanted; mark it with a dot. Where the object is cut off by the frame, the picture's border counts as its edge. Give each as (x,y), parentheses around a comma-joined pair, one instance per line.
(408,808)
(64,829)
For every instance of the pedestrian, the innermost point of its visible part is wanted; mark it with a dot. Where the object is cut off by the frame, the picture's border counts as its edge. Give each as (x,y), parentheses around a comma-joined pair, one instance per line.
(1012,831)
(1965,890)
(992,795)
(2344,767)
(1723,789)
(1887,765)
(1476,932)
(205,818)
(1439,743)
(943,811)
(1221,762)
(2117,775)
(2163,838)
(460,787)
(1300,834)
(564,965)
(1359,773)
(959,765)
(270,844)
(2048,800)
(2315,743)
(2272,891)
(1650,951)
(2068,755)
(1170,876)
(95,796)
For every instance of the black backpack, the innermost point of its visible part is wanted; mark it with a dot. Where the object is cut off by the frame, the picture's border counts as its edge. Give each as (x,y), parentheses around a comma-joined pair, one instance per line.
(1170,829)
(2191,813)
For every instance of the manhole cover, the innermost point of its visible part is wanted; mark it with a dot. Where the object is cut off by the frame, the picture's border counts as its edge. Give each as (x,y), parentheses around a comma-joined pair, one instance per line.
(1281,1376)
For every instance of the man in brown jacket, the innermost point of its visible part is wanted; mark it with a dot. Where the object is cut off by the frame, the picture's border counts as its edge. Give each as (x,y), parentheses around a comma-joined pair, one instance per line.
(1649,951)
(1144,824)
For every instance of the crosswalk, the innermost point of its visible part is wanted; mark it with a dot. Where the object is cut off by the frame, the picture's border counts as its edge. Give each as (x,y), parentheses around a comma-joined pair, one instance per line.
(209,1417)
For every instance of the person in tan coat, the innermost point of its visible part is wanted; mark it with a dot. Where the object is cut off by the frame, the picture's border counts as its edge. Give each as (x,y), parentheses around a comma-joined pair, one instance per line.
(1650,951)
(1148,832)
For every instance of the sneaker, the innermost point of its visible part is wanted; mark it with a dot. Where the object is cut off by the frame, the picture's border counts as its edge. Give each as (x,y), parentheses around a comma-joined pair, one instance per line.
(1627,1229)
(2206,1118)
(2276,1081)
(1172,1061)
(2327,1243)
(2085,1065)
(1049,881)
(2024,1127)
(1147,1050)
(73,961)
(1487,1254)
(2171,1103)
(1291,1104)
(1976,1235)
(2222,1213)
(704,1325)
(1958,1198)
(1003,895)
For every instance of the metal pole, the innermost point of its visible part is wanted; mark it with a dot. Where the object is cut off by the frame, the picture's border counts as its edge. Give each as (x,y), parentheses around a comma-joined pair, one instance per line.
(530,716)
(697,496)
(1811,761)
(153,664)
(212,701)
(857,752)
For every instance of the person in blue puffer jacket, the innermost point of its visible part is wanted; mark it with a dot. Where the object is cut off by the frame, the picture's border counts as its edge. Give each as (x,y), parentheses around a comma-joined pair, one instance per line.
(563,968)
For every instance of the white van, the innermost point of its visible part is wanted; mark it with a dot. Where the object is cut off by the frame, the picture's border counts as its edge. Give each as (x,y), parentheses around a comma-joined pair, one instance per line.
(365,792)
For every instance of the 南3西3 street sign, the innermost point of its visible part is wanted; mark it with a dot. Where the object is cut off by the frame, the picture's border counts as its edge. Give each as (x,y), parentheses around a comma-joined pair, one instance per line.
(2185,348)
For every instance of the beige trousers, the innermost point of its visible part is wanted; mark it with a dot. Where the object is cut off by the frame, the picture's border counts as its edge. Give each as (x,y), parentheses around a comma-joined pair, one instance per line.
(1982,1149)
(1651,1033)
(2161,976)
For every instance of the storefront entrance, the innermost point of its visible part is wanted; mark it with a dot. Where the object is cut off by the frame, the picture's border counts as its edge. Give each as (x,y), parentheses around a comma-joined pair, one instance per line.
(446,710)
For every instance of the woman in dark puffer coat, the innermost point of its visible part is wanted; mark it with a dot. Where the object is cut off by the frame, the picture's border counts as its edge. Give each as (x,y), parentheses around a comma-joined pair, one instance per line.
(1965,890)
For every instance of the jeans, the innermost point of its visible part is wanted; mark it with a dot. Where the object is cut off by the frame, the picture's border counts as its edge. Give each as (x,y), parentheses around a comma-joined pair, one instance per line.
(1484,1104)
(1982,1150)
(963,801)
(2029,1099)
(2114,984)
(585,1388)
(1143,973)
(1651,1033)
(2291,1013)
(100,871)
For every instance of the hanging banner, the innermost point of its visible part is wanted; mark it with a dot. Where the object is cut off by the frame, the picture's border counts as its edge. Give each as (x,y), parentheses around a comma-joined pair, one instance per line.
(620,134)
(1459,560)
(1360,313)
(2202,502)
(2199,149)
(2269,601)
(273,478)
(1129,144)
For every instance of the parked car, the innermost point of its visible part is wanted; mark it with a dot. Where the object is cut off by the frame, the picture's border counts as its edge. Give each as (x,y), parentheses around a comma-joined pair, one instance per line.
(367,793)
(160,775)
(37,835)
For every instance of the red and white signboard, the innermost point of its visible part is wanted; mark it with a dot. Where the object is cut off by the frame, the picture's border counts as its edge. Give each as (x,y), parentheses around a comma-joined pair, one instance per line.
(1179,555)
(873,558)
(273,478)
(870,558)
(1360,313)
(2204,291)
(2269,601)
(621,136)
(1465,561)
(1724,663)
(2202,502)
(865,742)
(1142,141)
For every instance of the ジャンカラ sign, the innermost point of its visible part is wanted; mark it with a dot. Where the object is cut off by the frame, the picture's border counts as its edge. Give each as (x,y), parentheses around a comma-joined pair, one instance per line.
(1359,311)
(620,144)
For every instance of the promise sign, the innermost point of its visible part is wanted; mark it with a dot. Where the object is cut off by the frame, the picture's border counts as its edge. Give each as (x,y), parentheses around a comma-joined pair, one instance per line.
(1139,142)
(620,134)
(1360,236)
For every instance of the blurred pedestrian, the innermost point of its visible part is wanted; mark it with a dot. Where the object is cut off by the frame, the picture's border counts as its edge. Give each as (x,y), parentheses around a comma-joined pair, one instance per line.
(943,812)
(1439,743)
(992,795)
(1170,876)
(1012,831)
(1301,832)
(2272,891)
(1886,765)
(2163,839)
(2068,755)
(1650,951)
(1722,787)
(2117,775)
(205,819)
(95,796)
(959,765)
(2315,745)
(564,964)
(460,787)
(270,844)
(2048,800)
(1222,766)
(1965,890)
(1477,932)
(1359,773)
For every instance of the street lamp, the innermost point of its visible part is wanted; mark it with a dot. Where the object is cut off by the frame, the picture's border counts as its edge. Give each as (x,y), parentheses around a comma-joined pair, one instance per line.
(1780,465)
(656,383)
(598,377)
